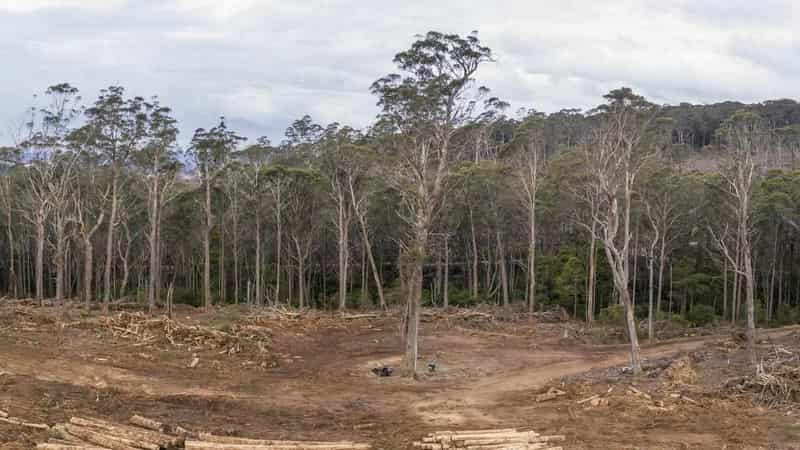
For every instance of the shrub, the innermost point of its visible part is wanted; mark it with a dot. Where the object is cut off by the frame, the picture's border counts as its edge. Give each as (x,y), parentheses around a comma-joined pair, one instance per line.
(186,297)
(701,315)
(679,321)
(787,315)
(612,315)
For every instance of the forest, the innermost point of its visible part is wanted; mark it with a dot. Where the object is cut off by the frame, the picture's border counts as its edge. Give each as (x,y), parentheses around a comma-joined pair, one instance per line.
(630,211)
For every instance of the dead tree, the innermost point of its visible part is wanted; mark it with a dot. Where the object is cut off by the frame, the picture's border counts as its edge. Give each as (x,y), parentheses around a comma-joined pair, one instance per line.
(746,141)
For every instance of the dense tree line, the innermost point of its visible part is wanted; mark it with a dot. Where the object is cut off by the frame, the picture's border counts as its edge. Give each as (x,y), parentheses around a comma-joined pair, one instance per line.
(447,199)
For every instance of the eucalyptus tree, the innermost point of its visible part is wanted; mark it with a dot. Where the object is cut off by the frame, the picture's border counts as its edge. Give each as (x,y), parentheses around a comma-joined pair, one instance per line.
(746,141)
(50,174)
(361,184)
(528,164)
(420,112)
(211,150)
(251,166)
(114,130)
(619,148)
(343,174)
(89,199)
(302,191)
(159,164)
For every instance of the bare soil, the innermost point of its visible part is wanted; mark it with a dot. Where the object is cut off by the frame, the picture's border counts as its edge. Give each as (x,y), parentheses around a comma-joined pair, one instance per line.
(288,375)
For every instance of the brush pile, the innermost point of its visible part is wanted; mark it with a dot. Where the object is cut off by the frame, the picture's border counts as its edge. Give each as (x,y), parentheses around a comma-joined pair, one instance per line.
(145,329)
(148,434)
(776,382)
(502,439)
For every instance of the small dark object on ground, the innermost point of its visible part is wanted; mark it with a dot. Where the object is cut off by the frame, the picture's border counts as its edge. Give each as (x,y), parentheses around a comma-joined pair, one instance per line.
(384,371)
(431,367)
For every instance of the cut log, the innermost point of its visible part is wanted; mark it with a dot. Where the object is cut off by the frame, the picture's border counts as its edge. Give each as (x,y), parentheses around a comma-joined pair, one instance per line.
(588,399)
(22,423)
(150,424)
(104,439)
(549,395)
(148,437)
(210,438)
(3,413)
(51,446)
(206,445)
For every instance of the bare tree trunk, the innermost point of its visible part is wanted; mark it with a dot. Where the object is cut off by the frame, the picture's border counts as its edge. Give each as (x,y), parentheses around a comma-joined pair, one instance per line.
(60,262)
(446,297)
(342,225)
(112,223)
(278,250)
(153,243)
(474,278)
(501,262)
(40,260)
(125,257)
(590,291)
(236,276)
(207,245)
(650,288)
(258,259)
(88,251)
(362,221)
(12,272)
(661,262)
(532,258)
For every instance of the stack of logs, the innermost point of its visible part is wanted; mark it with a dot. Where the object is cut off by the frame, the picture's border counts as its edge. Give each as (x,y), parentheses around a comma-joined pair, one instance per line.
(503,439)
(147,434)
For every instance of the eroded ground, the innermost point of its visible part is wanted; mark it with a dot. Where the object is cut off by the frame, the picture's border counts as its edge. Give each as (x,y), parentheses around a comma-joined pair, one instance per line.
(287,375)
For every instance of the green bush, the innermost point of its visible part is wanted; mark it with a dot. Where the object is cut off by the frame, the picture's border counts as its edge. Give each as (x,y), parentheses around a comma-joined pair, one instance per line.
(612,315)
(678,320)
(787,315)
(701,315)
(183,296)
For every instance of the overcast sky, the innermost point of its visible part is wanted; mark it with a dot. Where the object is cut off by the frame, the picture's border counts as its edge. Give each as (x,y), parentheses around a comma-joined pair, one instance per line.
(264,63)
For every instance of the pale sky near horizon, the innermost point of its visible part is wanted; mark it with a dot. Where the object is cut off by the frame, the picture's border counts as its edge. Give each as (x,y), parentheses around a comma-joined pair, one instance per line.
(264,63)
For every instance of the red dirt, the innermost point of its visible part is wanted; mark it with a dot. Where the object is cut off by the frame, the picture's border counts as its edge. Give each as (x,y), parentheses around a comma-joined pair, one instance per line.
(322,387)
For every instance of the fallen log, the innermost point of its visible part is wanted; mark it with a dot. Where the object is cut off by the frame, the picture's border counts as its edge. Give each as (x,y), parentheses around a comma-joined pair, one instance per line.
(549,395)
(107,440)
(205,445)
(149,437)
(22,423)
(150,424)
(53,446)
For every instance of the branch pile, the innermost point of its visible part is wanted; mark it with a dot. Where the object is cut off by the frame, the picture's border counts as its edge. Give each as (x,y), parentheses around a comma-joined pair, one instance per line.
(502,439)
(146,329)
(776,382)
(148,434)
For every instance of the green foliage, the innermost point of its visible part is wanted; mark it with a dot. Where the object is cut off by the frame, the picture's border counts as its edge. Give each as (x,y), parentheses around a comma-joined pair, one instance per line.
(787,315)
(679,321)
(612,315)
(183,296)
(700,315)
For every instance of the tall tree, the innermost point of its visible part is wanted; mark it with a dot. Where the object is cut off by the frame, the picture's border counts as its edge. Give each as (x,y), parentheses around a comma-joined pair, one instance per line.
(211,150)
(618,150)
(113,130)
(746,141)
(420,113)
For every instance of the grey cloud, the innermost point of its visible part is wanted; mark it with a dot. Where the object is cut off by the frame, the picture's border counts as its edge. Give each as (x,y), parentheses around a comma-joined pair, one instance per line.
(265,63)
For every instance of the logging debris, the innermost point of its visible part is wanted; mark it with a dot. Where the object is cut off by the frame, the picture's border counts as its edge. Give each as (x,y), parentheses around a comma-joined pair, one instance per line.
(82,433)
(500,439)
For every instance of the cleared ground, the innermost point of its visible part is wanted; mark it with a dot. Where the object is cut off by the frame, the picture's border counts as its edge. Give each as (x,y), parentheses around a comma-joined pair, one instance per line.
(288,375)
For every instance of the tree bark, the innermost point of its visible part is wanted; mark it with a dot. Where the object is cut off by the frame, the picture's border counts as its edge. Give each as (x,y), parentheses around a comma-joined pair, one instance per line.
(39,271)
(112,223)
(207,244)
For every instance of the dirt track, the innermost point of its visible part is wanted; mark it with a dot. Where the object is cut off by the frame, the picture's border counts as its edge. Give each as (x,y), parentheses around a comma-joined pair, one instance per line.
(323,390)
